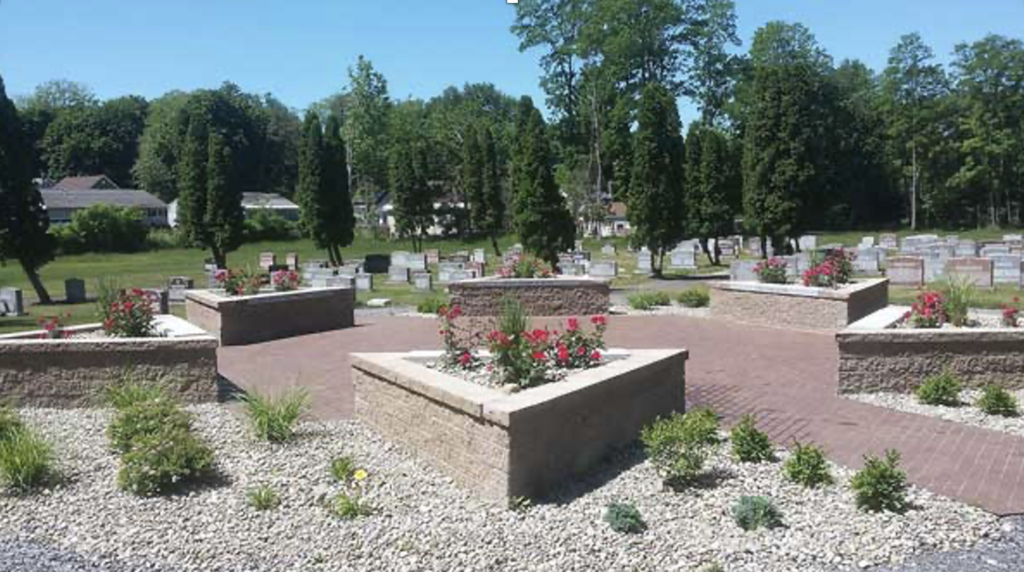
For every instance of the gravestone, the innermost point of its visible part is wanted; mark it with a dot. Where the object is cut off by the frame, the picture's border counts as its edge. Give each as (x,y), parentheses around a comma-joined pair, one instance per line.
(423,281)
(977,271)
(743,270)
(935,260)
(888,241)
(608,250)
(1006,269)
(12,303)
(417,262)
(460,275)
(994,249)
(176,287)
(867,242)
(1008,238)
(349,270)
(478,268)
(581,256)
(604,269)
(332,282)
(433,255)
(364,282)
(966,249)
(376,263)
(905,271)
(161,300)
(808,242)
(570,269)
(578,246)
(74,290)
(683,258)
(726,247)
(479,255)
(400,259)
(291,260)
(267,261)
(460,258)
(754,245)
(866,261)
(398,275)
(643,261)
(445,269)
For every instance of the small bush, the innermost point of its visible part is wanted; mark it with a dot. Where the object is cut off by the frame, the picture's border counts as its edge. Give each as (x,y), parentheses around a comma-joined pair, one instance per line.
(995,400)
(163,461)
(750,445)
(679,445)
(342,469)
(143,419)
(263,498)
(943,389)
(26,461)
(103,228)
(695,298)
(751,513)
(807,466)
(624,518)
(350,506)
(274,418)
(129,391)
(10,423)
(648,300)
(266,225)
(431,305)
(881,485)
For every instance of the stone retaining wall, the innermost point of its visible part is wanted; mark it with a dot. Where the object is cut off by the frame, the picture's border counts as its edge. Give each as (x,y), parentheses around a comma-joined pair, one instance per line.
(540,296)
(521,445)
(263,317)
(67,373)
(798,307)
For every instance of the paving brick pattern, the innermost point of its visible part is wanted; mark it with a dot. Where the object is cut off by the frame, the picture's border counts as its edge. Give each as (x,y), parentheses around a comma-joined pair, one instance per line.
(786,378)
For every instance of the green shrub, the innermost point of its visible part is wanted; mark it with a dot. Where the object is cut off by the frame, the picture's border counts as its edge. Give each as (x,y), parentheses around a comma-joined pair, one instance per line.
(957,294)
(807,466)
(648,300)
(274,418)
(143,419)
(263,498)
(129,391)
(266,225)
(26,461)
(995,400)
(695,298)
(103,228)
(164,461)
(679,445)
(881,485)
(750,445)
(350,506)
(624,518)
(10,423)
(431,305)
(751,513)
(166,238)
(342,469)
(943,389)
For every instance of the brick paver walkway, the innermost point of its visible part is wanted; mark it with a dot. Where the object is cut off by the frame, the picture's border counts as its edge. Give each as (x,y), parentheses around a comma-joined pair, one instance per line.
(787,379)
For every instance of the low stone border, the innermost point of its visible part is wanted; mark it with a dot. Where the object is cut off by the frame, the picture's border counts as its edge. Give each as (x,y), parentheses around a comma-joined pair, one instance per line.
(968,413)
(240,320)
(65,373)
(796,306)
(521,445)
(557,296)
(874,356)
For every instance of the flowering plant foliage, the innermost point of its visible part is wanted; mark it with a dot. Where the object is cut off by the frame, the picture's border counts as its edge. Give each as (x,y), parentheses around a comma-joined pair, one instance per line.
(528,358)
(130,315)
(833,272)
(457,352)
(285,280)
(519,266)
(238,282)
(929,311)
(53,327)
(1011,314)
(771,271)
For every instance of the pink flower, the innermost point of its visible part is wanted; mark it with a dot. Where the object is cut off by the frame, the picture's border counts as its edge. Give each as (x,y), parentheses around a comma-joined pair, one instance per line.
(539,356)
(573,325)
(599,320)
(563,353)
(595,356)
(465,359)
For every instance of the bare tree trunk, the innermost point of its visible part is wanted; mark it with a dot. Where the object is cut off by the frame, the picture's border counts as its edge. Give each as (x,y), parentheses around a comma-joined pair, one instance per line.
(494,244)
(37,284)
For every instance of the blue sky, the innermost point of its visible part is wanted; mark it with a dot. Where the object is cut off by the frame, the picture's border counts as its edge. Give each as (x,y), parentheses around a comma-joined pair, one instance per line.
(299,49)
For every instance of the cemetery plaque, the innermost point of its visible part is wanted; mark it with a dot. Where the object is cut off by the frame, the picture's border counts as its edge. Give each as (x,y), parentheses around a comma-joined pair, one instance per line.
(976,270)
(1006,269)
(604,269)
(1013,238)
(291,260)
(364,282)
(176,287)
(423,281)
(906,271)
(398,274)
(349,270)
(74,290)
(12,303)
(267,261)
(935,264)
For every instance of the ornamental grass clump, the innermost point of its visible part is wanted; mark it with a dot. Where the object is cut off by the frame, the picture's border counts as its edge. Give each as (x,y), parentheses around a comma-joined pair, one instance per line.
(942,390)
(624,518)
(680,445)
(958,294)
(342,469)
(772,271)
(695,298)
(749,445)
(649,300)
(349,504)
(807,466)
(263,498)
(997,401)
(752,513)
(881,485)
(26,460)
(272,418)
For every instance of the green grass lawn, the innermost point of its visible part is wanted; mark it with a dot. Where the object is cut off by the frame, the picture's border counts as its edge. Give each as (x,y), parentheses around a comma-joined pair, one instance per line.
(994,298)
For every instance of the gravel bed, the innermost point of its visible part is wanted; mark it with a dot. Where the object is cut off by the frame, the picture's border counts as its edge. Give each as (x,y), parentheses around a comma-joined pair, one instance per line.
(424,522)
(675,309)
(967,414)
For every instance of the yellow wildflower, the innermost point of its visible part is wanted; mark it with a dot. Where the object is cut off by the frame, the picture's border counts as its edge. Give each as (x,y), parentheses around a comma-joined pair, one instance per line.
(360,475)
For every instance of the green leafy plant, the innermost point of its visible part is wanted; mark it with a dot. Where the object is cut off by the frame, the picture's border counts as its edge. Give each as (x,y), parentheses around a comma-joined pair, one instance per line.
(958,292)
(695,298)
(995,400)
(342,469)
(807,466)
(881,485)
(350,506)
(681,444)
(750,445)
(128,390)
(431,305)
(624,518)
(772,271)
(943,389)
(131,315)
(751,513)
(263,498)
(10,422)
(648,300)
(274,418)
(164,461)
(26,460)
(145,418)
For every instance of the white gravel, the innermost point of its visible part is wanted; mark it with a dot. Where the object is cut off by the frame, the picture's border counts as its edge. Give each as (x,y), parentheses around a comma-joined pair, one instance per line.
(424,522)
(968,413)
(675,309)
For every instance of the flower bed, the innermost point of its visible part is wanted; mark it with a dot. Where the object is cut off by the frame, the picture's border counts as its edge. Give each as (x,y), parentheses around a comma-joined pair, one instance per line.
(72,368)
(799,307)
(238,320)
(879,353)
(558,296)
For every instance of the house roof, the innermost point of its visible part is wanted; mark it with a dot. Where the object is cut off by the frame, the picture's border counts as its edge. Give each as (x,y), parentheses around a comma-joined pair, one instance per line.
(80,199)
(267,201)
(86,183)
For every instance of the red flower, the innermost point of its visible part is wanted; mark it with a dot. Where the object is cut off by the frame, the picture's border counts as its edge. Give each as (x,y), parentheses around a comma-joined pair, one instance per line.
(572,325)
(539,356)
(455,312)
(599,320)
(582,350)
(563,353)
(595,356)
(465,359)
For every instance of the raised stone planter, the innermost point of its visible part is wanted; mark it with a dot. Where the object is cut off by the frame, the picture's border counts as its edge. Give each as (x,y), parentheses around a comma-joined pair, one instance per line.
(560,296)
(797,306)
(520,445)
(242,320)
(874,357)
(66,373)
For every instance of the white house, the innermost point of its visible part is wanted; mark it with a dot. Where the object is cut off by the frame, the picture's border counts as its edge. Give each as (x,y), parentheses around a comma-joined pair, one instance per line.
(251,202)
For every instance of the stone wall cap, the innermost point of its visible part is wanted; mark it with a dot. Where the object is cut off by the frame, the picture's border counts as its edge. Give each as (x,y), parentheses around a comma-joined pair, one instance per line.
(560,281)
(173,329)
(799,290)
(215,298)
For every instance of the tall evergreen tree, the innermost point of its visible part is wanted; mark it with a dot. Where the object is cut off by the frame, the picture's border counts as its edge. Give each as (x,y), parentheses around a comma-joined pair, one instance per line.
(24,224)
(709,177)
(411,195)
(541,218)
(491,217)
(337,194)
(191,181)
(309,193)
(656,203)
(225,217)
